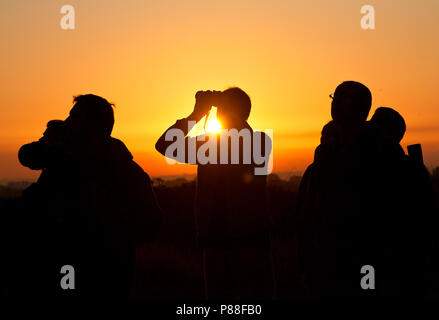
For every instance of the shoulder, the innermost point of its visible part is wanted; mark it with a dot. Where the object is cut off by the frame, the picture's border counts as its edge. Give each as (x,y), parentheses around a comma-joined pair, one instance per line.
(123,161)
(118,150)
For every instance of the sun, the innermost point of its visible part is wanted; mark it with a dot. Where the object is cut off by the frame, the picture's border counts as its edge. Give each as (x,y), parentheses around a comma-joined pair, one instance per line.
(213,126)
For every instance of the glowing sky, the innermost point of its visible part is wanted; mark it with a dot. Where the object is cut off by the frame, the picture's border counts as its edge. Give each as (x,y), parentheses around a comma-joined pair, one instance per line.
(150,58)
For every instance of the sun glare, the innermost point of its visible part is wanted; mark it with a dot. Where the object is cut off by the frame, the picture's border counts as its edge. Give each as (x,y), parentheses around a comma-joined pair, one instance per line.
(213,125)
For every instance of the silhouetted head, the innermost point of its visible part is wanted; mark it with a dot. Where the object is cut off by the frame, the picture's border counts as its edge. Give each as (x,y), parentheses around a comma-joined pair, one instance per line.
(91,116)
(390,124)
(351,104)
(234,109)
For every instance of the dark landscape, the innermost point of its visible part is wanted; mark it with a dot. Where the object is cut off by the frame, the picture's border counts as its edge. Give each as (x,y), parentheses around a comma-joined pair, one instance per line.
(170,267)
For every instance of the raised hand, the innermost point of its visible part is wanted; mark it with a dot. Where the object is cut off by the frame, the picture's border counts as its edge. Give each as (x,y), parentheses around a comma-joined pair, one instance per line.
(203,104)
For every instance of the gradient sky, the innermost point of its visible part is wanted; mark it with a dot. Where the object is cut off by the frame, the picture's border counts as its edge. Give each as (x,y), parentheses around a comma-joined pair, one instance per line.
(150,57)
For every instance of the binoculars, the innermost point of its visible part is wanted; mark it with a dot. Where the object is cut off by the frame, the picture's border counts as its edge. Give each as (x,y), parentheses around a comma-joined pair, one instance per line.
(214,98)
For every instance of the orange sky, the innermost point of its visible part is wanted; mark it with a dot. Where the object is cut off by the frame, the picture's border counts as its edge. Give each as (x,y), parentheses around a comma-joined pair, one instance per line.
(150,57)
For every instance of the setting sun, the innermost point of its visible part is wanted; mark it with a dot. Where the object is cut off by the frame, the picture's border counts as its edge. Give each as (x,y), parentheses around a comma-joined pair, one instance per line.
(213,125)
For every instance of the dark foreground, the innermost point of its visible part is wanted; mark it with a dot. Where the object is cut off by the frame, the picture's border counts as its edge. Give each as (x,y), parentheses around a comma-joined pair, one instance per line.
(170,267)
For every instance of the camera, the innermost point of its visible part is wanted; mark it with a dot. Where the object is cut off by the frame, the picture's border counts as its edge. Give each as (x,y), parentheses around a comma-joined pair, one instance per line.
(56,132)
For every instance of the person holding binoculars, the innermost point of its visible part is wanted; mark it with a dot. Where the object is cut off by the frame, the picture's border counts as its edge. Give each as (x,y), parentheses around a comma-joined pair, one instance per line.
(232,218)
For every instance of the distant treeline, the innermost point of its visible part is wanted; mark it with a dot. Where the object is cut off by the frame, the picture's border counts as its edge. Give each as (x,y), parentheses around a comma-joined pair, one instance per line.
(13,189)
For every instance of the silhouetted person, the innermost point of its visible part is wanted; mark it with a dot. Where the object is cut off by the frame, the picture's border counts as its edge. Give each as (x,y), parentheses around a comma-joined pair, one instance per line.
(231,209)
(358,205)
(414,245)
(338,199)
(91,204)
